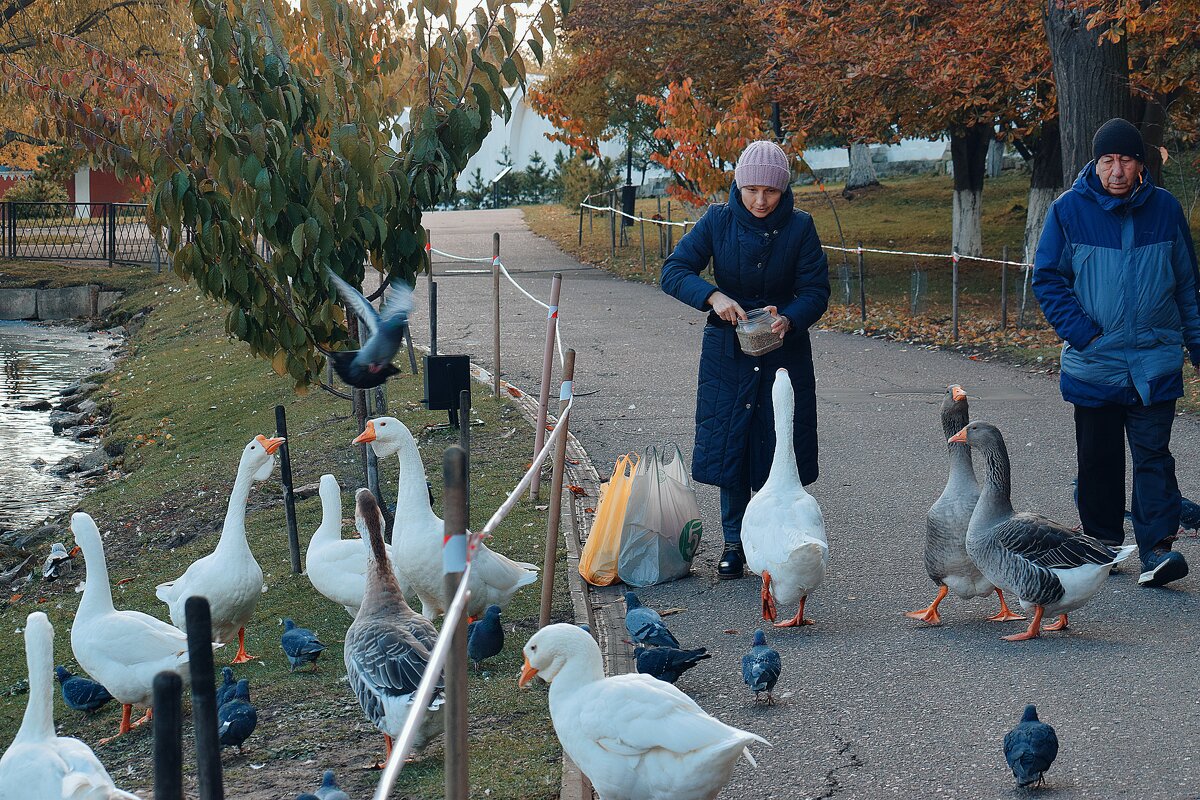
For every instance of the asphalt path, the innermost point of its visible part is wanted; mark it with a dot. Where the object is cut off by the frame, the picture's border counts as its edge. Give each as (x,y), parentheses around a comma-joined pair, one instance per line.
(872,704)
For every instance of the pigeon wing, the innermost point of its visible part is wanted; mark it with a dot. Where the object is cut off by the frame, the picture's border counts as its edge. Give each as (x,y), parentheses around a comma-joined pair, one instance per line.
(365,311)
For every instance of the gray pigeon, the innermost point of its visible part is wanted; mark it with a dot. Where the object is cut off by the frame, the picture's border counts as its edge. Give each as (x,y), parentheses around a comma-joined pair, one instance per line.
(644,624)
(1030,748)
(371,365)
(761,668)
(228,684)
(329,790)
(300,645)
(667,663)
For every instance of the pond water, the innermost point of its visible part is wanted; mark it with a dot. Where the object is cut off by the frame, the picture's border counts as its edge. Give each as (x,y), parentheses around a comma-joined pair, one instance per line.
(39,360)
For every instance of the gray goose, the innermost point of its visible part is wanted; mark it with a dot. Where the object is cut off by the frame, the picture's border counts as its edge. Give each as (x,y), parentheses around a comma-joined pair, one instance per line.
(388,644)
(1053,569)
(946,559)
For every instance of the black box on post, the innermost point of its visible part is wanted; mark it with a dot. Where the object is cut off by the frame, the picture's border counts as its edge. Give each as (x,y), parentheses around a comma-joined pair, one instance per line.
(445,377)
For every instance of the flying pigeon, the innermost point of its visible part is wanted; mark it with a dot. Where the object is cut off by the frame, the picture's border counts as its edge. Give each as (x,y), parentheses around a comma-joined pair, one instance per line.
(667,663)
(485,636)
(80,693)
(225,690)
(371,365)
(329,790)
(1030,748)
(300,645)
(644,624)
(58,562)
(237,718)
(761,667)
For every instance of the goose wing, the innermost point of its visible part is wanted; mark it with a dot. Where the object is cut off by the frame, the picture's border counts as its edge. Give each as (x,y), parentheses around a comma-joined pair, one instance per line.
(352,297)
(384,662)
(1048,544)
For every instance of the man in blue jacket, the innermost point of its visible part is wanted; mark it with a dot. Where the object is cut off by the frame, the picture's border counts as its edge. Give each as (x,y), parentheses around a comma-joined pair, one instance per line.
(1115,273)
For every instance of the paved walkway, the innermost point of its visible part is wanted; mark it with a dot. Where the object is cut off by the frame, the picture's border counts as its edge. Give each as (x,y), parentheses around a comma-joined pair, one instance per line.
(873,704)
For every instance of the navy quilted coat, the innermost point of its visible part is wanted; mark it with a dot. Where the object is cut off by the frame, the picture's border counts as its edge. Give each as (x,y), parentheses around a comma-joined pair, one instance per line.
(1116,277)
(757,262)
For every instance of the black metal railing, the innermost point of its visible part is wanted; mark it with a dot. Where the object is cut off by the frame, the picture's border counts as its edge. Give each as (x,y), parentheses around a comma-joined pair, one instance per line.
(46,231)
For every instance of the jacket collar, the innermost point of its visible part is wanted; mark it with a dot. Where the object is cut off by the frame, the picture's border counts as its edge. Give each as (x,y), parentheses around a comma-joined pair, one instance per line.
(773,222)
(1087,183)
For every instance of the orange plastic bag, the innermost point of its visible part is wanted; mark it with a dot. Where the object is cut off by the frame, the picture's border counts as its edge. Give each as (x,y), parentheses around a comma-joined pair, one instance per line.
(598,562)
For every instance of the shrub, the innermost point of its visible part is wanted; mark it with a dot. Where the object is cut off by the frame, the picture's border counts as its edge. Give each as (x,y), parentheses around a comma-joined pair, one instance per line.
(35,189)
(584,174)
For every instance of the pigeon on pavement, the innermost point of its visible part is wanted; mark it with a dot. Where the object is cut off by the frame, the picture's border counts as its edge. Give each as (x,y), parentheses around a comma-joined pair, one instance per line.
(644,624)
(761,667)
(1030,748)
(485,636)
(237,718)
(300,645)
(667,663)
(371,365)
(80,693)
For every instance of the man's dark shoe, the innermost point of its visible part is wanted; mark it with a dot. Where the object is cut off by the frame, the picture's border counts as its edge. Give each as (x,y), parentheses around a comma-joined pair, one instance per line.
(1161,566)
(733,562)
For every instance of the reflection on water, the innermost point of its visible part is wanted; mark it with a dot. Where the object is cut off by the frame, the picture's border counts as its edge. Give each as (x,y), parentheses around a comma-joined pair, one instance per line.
(39,360)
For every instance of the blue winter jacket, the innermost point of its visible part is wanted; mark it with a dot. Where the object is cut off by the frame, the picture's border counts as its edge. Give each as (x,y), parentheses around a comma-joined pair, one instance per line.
(1122,269)
(757,262)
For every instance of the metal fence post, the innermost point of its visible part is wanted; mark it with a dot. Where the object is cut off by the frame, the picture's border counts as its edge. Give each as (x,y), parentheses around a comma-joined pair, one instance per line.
(954,292)
(454,562)
(539,433)
(204,698)
(550,558)
(168,736)
(581,224)
(464,441)
(1003,288)
(289,499)
(111,230)
(496,312)
(12,230)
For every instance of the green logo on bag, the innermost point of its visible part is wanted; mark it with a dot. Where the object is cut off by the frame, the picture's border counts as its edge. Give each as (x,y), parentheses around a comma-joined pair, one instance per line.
(689,539)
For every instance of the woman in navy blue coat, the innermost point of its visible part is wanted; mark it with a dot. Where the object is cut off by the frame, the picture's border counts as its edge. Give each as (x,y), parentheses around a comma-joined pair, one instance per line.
(765,254)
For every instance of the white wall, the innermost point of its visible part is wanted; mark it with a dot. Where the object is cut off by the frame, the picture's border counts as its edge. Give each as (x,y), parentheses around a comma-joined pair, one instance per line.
(904,150)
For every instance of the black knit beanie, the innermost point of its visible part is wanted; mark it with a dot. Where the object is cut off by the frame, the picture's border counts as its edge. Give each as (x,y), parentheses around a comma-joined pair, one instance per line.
(1118,137)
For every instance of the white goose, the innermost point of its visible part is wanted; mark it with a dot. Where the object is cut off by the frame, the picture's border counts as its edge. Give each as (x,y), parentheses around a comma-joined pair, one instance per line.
(336,567)
(1053,569)
(783,531)
(634,736)
(39,764)
(417,534)
(228,576)
(123,650)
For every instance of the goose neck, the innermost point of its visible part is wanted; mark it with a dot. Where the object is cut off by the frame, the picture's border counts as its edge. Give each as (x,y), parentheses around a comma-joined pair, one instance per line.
(38,722)
(961,468)
(97,593)
(575,674)
(997,485)
(330,528)
(233,532)
(412,493)
(783,463)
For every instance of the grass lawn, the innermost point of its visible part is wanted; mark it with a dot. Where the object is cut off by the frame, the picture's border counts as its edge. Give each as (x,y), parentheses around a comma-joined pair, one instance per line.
(185,402)
(908,298)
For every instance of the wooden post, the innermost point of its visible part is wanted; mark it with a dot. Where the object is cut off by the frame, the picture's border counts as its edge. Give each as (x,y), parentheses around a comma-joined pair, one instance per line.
(496,312)
(862,283)
(168,736)
(642,222)
(454,561)
(1024,296)
(289,499)
(539,433)
(1003,288)
(204,698)
(581,210)
(670,231)
(464,441)
(556,491)
(954,292)
(612,231)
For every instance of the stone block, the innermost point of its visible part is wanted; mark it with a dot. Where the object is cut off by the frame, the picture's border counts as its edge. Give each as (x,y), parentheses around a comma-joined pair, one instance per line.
(106,301)
(67,303)
(18,303)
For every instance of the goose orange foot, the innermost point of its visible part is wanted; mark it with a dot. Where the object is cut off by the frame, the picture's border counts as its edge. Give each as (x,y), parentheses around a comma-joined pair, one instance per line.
(242,656)
(1035,627)
(127,726)
(798,620)
(1005,614)
(1058,625)
(769,612)
(930,614)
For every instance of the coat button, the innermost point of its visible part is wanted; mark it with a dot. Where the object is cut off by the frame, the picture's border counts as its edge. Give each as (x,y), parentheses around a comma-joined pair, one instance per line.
(760,265)
(756,369)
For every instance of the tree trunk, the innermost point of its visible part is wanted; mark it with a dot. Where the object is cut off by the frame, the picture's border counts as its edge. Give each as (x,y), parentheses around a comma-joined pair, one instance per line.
(1044,185)
(1092,80)
(995,158)
(862,169)
(968,153)
(1151,119)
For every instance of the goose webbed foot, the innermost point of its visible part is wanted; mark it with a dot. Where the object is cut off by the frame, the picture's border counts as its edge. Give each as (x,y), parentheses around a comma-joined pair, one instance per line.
(1005,614)
(769,612)
(242,656)
(929,614)
(1035,627)
(1058,625)
(798,620)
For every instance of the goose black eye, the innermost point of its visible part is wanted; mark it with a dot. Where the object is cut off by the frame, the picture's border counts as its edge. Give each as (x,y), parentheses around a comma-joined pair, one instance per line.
(533,648)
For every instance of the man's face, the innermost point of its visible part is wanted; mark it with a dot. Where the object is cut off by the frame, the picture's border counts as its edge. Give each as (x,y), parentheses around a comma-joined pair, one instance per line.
(1118,174)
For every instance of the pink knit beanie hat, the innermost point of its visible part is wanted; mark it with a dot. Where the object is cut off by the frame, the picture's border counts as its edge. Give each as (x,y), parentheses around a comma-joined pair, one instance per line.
(763,163)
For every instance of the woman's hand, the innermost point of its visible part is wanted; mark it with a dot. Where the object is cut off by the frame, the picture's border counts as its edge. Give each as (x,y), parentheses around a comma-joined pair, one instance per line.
(725,308)
(781,325)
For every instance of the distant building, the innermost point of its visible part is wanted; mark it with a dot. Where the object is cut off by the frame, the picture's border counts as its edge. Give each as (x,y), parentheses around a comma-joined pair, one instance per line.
(87,186)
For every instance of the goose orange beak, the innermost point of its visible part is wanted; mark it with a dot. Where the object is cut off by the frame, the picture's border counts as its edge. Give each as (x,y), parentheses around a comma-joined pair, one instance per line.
(270,445)
(957,394)
(958,438)
(527,674)
(368,434)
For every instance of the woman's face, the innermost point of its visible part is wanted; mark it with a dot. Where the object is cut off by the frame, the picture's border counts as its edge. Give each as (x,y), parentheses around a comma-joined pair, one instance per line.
(760,200)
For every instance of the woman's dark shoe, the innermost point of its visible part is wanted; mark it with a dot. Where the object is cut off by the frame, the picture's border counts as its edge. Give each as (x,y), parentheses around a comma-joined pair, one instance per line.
(733,562)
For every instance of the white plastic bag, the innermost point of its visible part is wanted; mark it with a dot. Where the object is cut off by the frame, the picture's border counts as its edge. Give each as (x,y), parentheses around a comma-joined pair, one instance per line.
(662,521)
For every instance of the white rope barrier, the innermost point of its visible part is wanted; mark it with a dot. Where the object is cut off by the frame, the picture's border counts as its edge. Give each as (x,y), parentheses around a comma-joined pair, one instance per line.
(557,339)
(952,256)
(460,258)
(636,218)
(437,659)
